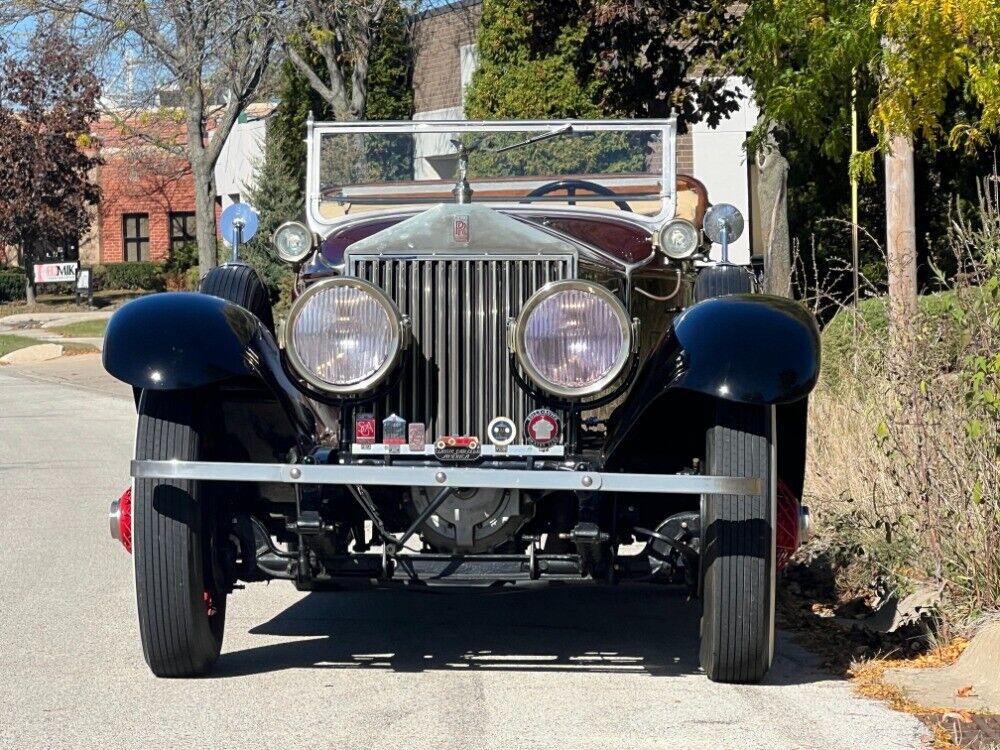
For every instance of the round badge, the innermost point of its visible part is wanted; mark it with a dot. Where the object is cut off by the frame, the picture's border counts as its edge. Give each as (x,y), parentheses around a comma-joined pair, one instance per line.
(542,427)
(502,431)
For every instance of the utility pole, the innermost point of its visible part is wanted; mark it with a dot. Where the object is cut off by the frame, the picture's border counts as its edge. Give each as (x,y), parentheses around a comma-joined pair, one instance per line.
(901,234)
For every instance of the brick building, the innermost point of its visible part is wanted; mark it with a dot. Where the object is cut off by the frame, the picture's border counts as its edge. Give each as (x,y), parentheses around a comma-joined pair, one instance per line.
(147,194)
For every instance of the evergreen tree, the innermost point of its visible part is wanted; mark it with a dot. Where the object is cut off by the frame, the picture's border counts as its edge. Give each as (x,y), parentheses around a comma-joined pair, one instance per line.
(531,62)
(277,196)
(287,127)
(390,95)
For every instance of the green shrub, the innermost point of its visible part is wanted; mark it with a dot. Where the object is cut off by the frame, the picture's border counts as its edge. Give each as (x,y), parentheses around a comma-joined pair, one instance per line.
(934,310)
(182,258)
(146,275)
(192,279)
(11,285)
(904,439)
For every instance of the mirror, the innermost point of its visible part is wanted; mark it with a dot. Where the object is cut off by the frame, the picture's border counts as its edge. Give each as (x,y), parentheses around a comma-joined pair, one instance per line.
(719,216)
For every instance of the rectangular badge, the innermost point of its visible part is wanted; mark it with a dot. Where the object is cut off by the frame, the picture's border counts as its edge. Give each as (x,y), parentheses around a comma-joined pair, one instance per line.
(461,229)
(394,430)
(417,437)
(364,429)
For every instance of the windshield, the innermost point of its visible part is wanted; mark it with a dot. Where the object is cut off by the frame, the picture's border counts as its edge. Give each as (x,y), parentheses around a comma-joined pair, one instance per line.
(358,167)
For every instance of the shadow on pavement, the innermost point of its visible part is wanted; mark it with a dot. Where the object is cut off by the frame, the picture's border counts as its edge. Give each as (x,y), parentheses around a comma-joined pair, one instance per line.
(646,630)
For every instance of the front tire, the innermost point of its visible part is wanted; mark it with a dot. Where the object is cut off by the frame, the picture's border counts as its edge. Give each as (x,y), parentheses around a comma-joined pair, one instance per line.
(738,563)
(182,610)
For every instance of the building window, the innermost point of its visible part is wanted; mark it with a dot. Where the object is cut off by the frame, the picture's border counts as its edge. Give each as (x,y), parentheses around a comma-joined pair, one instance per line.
(135,233)
(59,250)
(182,230)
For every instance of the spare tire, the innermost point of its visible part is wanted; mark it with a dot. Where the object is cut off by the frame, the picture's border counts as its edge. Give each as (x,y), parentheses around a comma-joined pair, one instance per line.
(721,280)
(240,284)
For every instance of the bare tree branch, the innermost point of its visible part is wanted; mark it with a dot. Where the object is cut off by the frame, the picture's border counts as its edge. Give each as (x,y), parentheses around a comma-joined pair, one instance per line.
(207,51)
(330,43)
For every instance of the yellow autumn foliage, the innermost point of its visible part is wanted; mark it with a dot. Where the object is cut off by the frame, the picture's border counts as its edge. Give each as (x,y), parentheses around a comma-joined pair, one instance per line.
(933,47)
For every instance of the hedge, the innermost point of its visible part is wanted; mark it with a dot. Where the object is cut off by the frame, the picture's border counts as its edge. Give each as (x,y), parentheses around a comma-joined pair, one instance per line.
(145,275)
(11,286)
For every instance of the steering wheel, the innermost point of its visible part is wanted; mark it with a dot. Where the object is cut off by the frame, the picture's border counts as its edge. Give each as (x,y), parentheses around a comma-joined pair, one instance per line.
(571,186)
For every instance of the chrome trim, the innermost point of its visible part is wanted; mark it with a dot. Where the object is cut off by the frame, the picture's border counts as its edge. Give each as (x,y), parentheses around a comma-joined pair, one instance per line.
(114,520)
(447,476)
(293,259)
(315,131)
(457,377)
(658,239)
(543,294)
(398,323)
(773,498)
(381,449)
(805,524)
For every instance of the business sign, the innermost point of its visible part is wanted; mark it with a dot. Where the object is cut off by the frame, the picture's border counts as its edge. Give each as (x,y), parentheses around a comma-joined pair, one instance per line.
(49,273)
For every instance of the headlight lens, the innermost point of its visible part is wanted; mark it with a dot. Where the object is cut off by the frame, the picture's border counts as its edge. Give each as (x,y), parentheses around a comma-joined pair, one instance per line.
(573,338)
(678,239)
(293,241)
(343,335)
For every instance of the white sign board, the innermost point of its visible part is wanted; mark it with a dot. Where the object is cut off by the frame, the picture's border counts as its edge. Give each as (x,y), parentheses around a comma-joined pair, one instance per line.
(47,273)
(83,280)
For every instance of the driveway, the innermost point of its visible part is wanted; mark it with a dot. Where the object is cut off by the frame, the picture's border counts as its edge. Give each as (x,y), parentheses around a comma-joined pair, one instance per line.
(544,666)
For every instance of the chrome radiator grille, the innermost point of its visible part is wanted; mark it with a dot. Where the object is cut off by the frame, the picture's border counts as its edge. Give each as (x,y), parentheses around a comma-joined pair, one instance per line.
(457,371)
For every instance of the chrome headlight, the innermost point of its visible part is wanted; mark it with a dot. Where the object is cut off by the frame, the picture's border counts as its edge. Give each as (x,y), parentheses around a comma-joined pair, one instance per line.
(344,335)
(678,239)
(293,241)
(573,338)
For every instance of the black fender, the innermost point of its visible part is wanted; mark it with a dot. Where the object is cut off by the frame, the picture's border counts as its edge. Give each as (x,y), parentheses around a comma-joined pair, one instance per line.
(178,340)
(749,348)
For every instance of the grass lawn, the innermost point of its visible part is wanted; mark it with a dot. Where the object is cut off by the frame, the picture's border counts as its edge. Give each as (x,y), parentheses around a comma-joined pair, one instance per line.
(105,300)
(82,328)
(9,344)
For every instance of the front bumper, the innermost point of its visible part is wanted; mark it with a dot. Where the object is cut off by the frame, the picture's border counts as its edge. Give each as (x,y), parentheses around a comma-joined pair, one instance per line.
(448,476)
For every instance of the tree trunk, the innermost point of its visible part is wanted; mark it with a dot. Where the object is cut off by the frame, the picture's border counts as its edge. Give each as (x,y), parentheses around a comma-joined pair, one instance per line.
(26,260)
(204,205)
(901,235)
(772,196)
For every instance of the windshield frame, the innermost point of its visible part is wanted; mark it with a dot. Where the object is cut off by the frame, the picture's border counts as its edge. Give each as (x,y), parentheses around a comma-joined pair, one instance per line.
(668,180)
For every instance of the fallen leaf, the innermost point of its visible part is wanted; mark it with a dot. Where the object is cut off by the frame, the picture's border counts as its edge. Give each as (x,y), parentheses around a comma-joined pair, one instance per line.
(965,692)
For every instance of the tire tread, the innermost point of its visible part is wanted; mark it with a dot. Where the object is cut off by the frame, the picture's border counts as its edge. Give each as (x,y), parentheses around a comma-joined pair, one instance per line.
(737,622)
(240,284)
(177,640)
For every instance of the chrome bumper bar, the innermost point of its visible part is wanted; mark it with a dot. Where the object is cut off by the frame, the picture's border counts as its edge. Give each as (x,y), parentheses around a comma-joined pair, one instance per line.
(448,476)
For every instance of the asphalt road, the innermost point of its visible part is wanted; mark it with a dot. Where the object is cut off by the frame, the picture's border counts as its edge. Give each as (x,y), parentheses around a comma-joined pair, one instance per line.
(544,667)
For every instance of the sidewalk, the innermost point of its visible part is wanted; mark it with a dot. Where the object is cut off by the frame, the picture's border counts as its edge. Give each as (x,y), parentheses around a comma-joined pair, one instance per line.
(82,371)
(35,325)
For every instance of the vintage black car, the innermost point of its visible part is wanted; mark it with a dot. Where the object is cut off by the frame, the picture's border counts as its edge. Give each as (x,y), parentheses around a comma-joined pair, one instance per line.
(510,357)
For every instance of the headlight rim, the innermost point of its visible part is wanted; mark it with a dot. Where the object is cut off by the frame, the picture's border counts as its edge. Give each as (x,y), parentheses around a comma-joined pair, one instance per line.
(549,290)
(666,225)
(396,323)
(294,260)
